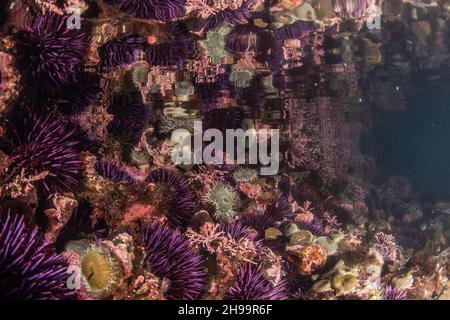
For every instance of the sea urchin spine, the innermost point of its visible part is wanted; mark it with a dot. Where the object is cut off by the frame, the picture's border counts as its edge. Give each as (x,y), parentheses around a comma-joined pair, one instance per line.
(183,203)
(251,285)
(29,268)
(46,145)
(49,53)
(168,256)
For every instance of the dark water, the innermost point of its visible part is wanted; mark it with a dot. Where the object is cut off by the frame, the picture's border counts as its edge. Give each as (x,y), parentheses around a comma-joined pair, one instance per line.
(415,142)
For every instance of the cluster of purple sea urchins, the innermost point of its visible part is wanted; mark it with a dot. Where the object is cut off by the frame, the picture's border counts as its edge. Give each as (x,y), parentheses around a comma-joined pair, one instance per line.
(92,205)
(47,148)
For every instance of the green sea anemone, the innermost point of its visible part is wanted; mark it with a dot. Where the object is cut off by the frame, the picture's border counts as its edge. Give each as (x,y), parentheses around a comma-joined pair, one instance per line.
(168,124)
(214,44)
(223,200)
(245,175)
(241,76)
(139,74)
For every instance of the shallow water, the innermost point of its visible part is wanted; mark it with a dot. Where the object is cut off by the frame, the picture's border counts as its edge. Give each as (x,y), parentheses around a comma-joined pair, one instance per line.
(92,116)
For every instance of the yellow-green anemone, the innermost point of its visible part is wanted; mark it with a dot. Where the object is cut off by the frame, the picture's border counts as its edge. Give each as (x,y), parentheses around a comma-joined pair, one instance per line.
(96,270)
(344,283)
(100,270)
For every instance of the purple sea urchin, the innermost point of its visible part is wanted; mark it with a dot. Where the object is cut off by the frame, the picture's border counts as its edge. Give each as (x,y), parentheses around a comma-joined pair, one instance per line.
(81,225)
(113,171)
(276,211)
(279,208)
(297,30)
(162,10)
(50,54)
(316,227)
(258,221)
(78,97)
(169,257)
(174,52)
(132,47)
(237,230)
(122,51)
(29,268)
(230,16)
(131,116)
(246,39)
(251,285)
(47,145)
(392,293)
(243,39)
(183,203)
(212,95)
